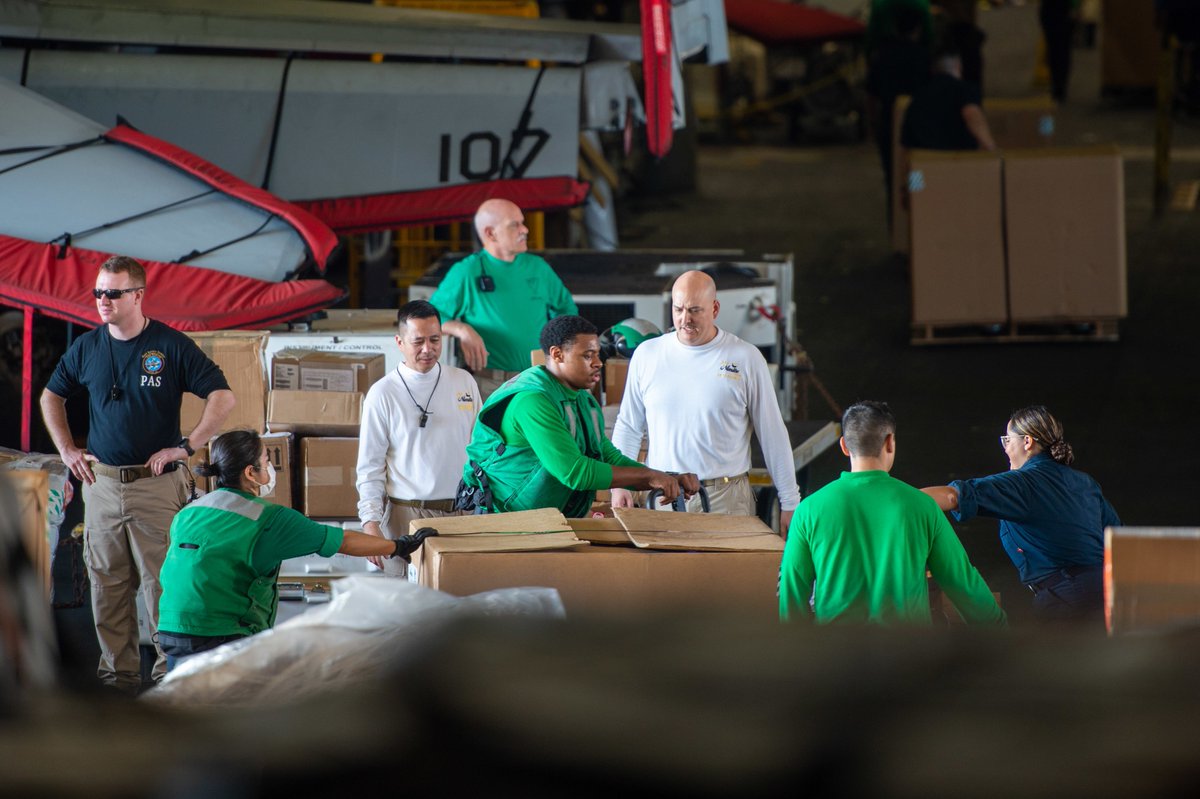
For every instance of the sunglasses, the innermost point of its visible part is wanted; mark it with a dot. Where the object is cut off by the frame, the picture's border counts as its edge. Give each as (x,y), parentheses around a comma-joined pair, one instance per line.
(114,294)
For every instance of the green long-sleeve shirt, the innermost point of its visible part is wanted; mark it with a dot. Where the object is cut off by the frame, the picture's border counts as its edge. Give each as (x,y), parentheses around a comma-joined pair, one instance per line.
(859,547)
(532,420)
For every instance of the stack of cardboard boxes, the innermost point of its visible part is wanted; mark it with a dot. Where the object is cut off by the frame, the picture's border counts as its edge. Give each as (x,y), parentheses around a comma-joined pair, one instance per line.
(1022,239)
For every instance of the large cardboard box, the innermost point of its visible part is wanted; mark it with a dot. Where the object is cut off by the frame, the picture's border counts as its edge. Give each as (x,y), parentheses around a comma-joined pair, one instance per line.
(240,354)
(723,564)
(325,370)
(319,413)
(1065,220)
(1021,121)
(328,471)
(957,230)
(616,373)
(1151,577)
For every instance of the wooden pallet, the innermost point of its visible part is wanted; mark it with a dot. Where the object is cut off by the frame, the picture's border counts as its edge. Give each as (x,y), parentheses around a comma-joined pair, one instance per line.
(1080,330)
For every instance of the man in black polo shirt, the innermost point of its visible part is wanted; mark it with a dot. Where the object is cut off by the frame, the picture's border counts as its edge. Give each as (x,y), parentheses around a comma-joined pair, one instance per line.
(135,371)
(945,112)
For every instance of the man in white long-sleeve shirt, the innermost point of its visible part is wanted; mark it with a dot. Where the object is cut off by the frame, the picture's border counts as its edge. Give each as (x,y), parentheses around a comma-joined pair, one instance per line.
(416,423)
(701,391)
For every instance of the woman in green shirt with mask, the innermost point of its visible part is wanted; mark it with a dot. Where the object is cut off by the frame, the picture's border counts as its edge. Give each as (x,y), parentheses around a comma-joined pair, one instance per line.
(219,576)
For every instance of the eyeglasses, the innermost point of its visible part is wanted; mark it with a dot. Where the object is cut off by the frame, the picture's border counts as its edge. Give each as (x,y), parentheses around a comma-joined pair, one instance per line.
(1005,439)
(114,294)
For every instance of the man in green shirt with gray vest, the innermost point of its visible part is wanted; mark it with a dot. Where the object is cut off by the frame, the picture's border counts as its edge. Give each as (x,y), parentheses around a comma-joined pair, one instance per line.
(859,547)
(539,440)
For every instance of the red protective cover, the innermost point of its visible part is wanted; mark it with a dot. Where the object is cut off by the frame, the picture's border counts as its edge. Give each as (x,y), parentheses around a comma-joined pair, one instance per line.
(772,22)
(441,205)
(656,74)
(184,297)
(319,239)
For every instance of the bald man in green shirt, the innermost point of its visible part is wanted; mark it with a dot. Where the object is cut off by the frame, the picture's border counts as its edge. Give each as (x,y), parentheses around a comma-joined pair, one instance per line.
(539,440)
(859,547)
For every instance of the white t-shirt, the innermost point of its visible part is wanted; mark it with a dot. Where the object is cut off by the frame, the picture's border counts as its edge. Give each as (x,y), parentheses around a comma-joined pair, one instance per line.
(399,458)
(699,404)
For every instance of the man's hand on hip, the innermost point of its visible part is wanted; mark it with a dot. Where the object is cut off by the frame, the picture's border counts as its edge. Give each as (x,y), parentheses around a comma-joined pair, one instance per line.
(159,460)
(79,462)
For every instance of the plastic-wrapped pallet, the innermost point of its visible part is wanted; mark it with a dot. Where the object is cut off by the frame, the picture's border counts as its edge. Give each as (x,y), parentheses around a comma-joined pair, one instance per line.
(369,624)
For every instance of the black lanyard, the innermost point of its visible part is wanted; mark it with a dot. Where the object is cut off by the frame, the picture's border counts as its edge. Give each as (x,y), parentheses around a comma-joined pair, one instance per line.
(114,393)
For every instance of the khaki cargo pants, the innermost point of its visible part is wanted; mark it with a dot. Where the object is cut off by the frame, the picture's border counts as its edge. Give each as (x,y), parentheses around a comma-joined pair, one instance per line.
(395,524)
(126,529)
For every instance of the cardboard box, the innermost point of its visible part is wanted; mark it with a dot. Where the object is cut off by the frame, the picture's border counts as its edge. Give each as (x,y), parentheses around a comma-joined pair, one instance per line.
(296,368)
(240,354)
(616,373)
(328,472)
(620,573)
(1065,221)
(1151,577)
(1021,122)
(957,234)
(318,413)
(31,492)
(285,368)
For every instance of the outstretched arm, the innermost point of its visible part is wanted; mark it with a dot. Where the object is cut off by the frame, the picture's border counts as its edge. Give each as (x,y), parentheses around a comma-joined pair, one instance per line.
(945,496)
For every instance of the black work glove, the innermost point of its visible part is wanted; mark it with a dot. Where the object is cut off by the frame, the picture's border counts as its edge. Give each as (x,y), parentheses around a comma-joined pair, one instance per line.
(408,544)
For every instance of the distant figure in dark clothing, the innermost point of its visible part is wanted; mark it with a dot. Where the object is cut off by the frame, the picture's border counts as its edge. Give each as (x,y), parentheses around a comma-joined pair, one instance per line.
(899,67)
(1057,29)
(945,113)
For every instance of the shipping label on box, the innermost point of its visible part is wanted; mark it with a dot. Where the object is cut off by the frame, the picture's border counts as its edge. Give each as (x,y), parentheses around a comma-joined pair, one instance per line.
(328,477)
(285,368)
(241,356)
(340,371)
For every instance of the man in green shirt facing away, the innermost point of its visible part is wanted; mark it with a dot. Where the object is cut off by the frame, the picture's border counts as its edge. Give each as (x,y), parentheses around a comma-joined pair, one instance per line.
(539,440)
(859,546)
(496,300)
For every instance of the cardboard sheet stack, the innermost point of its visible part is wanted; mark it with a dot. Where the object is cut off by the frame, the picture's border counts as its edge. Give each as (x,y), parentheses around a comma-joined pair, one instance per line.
(641,561)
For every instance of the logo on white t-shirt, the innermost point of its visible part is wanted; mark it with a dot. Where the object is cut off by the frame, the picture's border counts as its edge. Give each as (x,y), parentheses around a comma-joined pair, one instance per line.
(729,370)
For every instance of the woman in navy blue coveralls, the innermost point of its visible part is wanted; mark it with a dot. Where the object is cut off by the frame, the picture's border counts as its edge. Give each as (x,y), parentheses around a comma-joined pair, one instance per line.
(1052,517)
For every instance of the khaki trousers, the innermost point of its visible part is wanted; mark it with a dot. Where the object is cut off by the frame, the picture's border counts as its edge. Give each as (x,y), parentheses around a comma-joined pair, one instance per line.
(126,535)
(395,524)
(735,498)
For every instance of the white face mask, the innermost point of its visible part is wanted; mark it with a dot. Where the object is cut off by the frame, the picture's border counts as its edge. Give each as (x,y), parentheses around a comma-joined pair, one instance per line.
(268,487)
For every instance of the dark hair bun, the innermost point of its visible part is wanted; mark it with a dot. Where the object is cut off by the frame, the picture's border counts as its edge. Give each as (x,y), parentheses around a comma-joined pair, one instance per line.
(205,469)
(1061,451)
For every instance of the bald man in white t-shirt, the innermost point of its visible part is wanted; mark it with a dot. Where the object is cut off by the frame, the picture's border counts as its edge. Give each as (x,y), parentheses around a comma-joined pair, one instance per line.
(701,391)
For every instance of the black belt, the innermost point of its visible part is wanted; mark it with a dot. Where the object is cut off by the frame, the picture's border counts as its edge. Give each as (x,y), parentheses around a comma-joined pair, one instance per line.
(1056,577)
(128,474)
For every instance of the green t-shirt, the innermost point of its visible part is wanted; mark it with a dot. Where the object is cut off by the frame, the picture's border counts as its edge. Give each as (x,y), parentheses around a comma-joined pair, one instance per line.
(533,421)
(859,547)
(510,318)
(219,574)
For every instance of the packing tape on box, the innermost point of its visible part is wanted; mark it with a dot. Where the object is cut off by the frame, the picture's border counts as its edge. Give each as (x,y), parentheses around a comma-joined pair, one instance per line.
(324,475)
